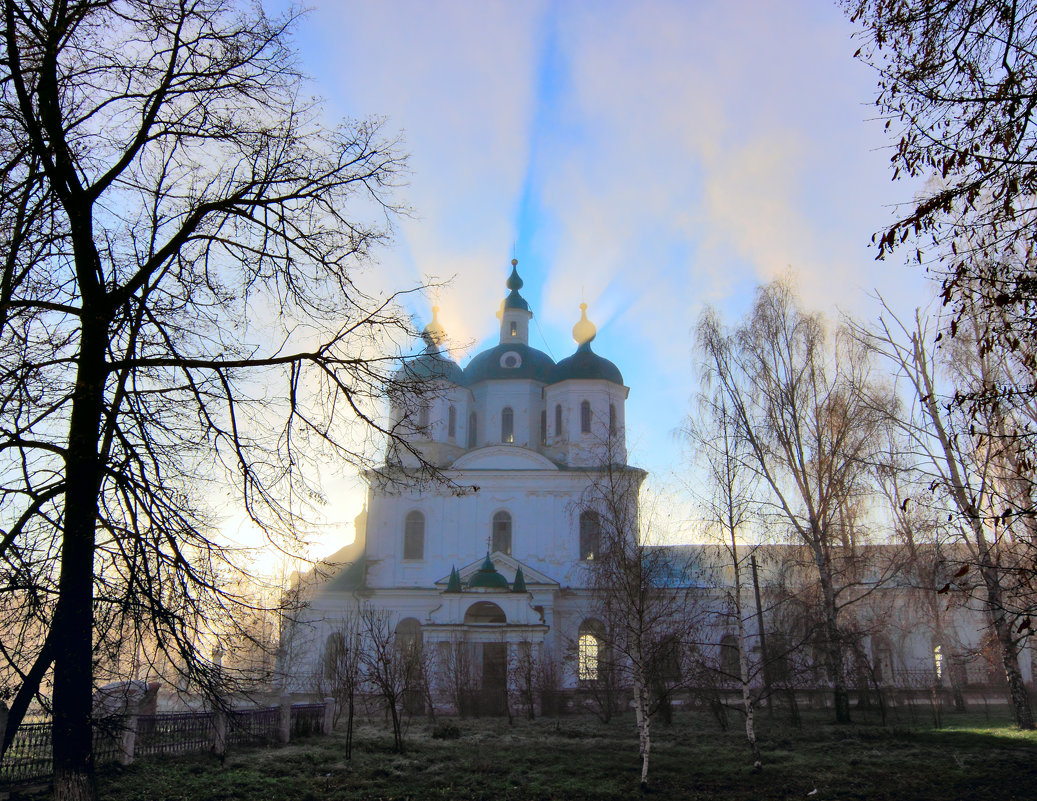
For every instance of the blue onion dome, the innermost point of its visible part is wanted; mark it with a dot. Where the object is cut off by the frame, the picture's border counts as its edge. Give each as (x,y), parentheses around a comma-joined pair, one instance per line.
(488,577)
(509,360)
(432,363)
(585,363)
(514,283)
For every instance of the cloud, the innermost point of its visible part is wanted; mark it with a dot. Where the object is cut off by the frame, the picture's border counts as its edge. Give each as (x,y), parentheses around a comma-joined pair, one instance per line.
(666,154)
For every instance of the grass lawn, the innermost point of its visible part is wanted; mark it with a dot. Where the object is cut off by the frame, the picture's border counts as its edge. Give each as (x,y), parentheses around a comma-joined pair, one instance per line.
(979,755)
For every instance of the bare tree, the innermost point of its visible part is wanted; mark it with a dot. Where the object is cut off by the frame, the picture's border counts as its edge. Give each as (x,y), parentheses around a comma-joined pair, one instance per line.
(964,465)
(810,433)
(337,673)
(643,598)
(180,237)
(455,673)
(728,510)
(393,665)
(957,82)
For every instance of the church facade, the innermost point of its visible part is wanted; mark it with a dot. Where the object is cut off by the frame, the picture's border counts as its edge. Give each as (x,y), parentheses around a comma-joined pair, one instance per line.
(494,553)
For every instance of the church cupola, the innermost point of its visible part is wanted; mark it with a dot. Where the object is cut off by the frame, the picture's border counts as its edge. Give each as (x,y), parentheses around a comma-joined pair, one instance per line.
(514,314)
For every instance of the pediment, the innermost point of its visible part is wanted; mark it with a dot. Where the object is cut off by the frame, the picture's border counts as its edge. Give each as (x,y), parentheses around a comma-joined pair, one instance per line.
(507,566)
(503,457)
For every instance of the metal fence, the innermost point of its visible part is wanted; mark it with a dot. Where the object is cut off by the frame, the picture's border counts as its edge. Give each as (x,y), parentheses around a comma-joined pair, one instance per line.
(123,738)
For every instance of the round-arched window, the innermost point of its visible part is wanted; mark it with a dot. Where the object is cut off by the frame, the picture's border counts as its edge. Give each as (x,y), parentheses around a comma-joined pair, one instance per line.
(501,533)
(590,650)
(485,612)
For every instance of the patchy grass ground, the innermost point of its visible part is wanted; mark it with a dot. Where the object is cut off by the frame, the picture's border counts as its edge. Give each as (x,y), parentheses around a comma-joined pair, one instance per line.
(978,756)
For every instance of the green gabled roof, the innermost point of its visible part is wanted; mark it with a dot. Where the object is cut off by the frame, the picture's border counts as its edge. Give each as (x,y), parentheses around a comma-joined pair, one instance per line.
(519,584)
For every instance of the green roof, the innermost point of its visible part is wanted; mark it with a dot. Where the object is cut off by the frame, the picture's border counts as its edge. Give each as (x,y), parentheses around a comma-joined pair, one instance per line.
(487,577)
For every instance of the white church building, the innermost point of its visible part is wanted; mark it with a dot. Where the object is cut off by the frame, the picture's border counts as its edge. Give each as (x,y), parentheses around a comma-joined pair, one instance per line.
(495,551)
(494,554)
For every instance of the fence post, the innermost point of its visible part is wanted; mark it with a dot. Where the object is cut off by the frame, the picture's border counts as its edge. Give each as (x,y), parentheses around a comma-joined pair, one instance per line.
(219,745)
(129,732)
(285,729)
(329,715)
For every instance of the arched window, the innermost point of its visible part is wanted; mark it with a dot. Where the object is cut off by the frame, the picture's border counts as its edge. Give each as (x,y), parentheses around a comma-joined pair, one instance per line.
(451,422)
(590,535)
(485,612)
(558,420)
(514,329)
(729,657)
(613,425)
(507,425)
(590,650)
(408,635)
(543,427)
(585,417)
(472,431)
(502,532)
(423,415)
(334,656)
(414,536)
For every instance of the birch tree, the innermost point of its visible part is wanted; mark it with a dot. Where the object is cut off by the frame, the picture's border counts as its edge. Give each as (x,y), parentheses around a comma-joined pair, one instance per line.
(810,432)
(968,469)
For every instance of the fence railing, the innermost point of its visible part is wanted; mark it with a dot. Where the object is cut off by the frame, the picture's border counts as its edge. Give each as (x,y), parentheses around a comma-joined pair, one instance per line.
(125,738)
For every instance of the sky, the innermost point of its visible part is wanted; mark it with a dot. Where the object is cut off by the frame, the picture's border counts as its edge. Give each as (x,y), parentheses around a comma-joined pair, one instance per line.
(648,158)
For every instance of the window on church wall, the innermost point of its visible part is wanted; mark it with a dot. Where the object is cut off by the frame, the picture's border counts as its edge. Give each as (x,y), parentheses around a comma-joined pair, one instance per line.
(590,535)
(473,430)
(667,662)
(543,427)
(514,329)
(507,425)
(334,655)
(451,422)
(778,656)
(729,657)
(590,648)
(407,636)
(585,417)
(558,420)
(414,536)
(882,658)
(423,415)
(613,425)
(501,533)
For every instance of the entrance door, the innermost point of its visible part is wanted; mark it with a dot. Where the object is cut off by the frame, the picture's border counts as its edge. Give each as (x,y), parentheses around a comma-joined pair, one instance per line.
(494,678)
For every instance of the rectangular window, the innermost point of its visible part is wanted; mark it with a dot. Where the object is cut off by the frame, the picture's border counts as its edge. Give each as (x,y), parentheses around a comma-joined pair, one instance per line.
(507,425)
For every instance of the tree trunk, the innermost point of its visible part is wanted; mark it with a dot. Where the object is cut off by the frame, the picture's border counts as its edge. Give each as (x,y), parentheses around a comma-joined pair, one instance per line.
(833,643)
(74,615)
(1016,688)
(641,713)
(1018,696)
(743,654)
(397,727)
